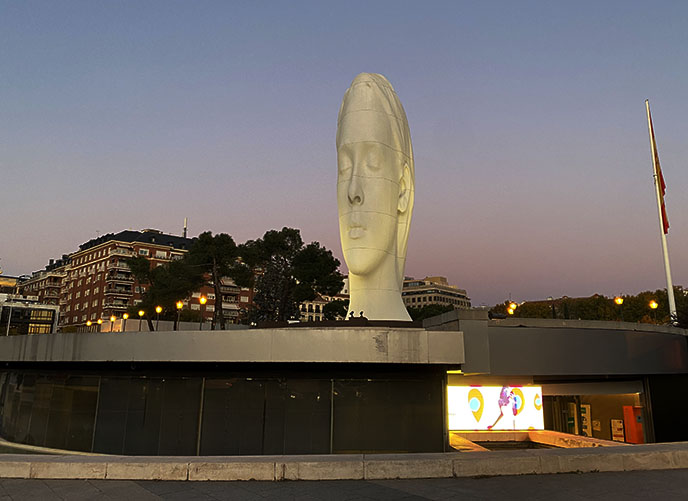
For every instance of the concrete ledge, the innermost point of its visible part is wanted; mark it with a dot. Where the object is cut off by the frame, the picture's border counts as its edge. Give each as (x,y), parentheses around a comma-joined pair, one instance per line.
(345,467)
(147,470)
(68,469)
(384,466)
(351,466)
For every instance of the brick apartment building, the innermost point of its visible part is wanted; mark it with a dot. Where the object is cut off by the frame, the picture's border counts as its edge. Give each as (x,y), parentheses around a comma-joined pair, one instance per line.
(45,286)
(96,283)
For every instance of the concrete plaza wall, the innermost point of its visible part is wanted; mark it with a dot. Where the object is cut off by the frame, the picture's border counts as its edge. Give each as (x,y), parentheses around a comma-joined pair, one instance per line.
(334,345)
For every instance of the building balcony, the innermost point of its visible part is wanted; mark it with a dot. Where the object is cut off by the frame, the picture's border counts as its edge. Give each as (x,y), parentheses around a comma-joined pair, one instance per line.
(118,291)
(121,252)
(119,277)
(119,265)
(115,305)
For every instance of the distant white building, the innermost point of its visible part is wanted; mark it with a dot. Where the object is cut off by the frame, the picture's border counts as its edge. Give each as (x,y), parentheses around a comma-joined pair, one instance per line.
(433,290)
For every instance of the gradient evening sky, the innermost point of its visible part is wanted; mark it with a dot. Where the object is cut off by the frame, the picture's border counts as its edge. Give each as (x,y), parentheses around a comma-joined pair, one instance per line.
(533,170)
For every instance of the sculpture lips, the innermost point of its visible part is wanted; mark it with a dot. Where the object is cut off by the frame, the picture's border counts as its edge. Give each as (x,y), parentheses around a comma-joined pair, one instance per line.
(356,232)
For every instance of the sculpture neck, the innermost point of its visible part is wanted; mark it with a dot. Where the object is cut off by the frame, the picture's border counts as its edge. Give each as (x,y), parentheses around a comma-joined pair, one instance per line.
(377,295)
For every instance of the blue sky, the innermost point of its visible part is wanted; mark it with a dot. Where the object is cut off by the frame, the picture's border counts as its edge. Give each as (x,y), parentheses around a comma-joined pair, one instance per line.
(533,171)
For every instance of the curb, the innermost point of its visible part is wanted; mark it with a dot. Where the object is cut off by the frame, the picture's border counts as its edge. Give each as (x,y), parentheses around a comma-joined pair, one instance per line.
(349,466)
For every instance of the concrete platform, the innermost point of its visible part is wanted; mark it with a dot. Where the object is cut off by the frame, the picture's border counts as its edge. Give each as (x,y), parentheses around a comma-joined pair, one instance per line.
(349,466)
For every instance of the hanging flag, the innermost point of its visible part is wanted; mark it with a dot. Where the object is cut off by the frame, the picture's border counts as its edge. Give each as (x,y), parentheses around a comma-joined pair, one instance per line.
(660,177)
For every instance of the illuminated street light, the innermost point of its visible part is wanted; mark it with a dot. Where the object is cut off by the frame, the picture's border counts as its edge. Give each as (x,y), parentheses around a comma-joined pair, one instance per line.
(202,300)
(510,311)
(124,321)
(654,304)
(141,314)
(158,309)
(112,322)
(88,324)
(100,322)
(619,300)
(179,305)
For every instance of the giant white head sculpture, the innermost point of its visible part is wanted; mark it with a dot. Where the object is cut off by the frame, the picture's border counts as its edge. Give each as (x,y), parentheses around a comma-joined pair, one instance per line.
(375,192)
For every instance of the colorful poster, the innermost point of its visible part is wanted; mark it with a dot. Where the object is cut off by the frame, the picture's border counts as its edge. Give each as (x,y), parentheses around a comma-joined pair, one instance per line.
(495,408)
(617,430)
(586,421)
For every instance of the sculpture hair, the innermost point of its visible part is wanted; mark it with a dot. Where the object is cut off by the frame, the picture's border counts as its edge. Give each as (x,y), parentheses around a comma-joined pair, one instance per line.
(371,92)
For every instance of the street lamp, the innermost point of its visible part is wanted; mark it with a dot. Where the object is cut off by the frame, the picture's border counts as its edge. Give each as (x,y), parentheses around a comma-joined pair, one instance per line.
(554,312)
(88,324)
(158,309)
(141,314)
(619,300)
(112,322)
(124,321)
(654,305)
(180,305)
(100,322)
(202,300)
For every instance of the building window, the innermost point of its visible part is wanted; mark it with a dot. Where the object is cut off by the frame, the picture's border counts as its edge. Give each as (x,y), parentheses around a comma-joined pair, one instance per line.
(87,292)
(143,252)
(160,254)
(244,299)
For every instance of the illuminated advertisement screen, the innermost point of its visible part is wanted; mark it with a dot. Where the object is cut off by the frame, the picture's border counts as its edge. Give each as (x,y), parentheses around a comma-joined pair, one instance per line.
(495,408)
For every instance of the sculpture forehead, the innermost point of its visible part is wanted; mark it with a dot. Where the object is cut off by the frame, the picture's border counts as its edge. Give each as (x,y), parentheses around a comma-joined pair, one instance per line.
(370,126)
(371,111)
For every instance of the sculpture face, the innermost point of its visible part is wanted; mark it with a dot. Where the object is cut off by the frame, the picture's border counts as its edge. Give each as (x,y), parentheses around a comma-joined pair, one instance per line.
(367,198)
(375,178)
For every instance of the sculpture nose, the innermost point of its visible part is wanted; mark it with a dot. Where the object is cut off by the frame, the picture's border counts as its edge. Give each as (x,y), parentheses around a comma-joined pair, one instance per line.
(355,191)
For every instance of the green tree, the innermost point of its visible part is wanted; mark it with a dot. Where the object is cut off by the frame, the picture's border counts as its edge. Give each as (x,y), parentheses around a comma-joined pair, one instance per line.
(427,311)
(165,285)
(336,310)
(288,273)
(216,257)
(635,308)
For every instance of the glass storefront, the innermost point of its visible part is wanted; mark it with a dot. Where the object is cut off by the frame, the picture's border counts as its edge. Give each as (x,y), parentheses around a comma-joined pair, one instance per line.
(137,415)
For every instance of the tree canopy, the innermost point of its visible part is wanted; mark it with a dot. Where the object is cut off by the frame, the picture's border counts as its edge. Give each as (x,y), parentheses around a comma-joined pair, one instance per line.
(164,286)
(634,308)
(429,310)
(288,273)
(213,257)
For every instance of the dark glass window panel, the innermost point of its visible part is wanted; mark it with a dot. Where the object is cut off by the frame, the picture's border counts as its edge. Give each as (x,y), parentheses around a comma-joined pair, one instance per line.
(83,395)
(112,415)
(307,417)
(58,414)
(179,420)
(142,432)
(40,411)
(233,411)
(388,416)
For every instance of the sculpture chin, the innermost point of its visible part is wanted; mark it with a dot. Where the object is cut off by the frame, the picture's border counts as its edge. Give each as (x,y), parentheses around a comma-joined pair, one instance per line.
(363,261)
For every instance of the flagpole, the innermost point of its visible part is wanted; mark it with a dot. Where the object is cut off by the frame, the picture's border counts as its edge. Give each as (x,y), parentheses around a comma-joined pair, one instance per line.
(665,250)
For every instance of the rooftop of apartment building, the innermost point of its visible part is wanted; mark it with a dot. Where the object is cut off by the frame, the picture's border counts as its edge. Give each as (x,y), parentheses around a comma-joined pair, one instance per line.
(148,236)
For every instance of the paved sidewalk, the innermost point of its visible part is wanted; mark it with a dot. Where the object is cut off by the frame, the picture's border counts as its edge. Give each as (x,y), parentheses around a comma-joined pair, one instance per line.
(657,484)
